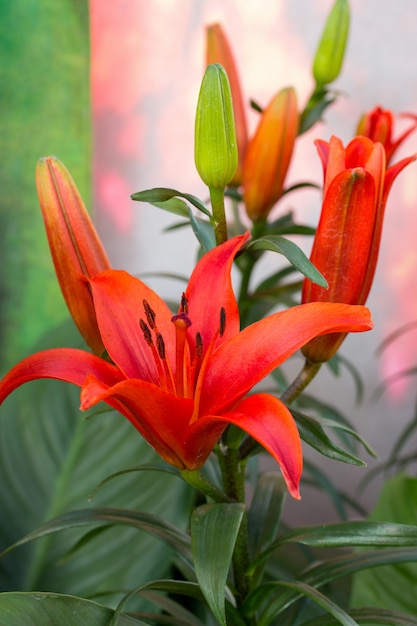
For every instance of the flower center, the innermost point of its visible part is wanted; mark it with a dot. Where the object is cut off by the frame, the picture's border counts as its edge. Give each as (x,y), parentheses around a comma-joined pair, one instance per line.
(190,357)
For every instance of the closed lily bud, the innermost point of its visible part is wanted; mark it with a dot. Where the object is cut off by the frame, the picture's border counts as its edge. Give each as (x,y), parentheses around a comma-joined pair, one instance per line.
(269,153)
(219,51)
(331,49)
(76,249)
(346,244)
(378,125)
(215,147)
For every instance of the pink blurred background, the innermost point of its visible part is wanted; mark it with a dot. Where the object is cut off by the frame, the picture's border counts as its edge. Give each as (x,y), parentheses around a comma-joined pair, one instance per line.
(147,64)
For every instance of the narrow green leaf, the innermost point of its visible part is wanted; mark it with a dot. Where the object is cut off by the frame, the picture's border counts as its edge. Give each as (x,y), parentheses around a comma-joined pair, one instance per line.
(109,516)
(347,534)
(312,433)
(174,587)
(204,232)
(162,194)
(51,609)
(173,205)
(214,529)
(331,607)
(378,617)
(319,574)
(292,253)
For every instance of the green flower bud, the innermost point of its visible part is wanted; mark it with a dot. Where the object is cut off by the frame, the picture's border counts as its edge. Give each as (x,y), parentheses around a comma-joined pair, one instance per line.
(330,52)
(215,145)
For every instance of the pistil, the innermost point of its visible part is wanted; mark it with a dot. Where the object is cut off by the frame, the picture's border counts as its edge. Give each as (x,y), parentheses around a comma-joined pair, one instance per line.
(181,322)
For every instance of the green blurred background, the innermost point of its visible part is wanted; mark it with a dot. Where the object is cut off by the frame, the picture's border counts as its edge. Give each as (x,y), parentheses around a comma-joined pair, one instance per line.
(45,109)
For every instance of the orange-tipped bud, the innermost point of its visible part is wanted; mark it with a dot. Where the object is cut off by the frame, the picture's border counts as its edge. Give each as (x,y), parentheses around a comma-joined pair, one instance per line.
(378,125)
(76,249)
(219,51)
(268,154)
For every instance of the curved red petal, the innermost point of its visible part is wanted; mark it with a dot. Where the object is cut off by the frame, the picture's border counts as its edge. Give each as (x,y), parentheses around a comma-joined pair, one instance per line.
(237,365)
(119,305)
(161,418)
(210,288)
(266,419)
(68,364)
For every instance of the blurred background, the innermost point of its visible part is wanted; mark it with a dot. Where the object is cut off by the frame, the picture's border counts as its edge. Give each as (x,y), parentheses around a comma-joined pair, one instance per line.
(111,89)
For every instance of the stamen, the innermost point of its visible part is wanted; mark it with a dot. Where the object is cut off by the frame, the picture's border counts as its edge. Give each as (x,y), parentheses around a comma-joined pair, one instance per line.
(150,314)
(222,321)
(181,323)
(184,303)
(146,331)
(199,345)
(160,344)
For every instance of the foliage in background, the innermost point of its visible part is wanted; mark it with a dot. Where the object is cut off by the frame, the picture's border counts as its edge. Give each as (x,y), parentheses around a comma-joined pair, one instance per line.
(44,61)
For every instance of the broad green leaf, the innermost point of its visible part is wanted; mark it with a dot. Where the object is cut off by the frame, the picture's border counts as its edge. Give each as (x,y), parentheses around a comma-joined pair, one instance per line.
(292,253)
(45,109)
(214,529)
(394,586)
(264,515)
(52,609)
(51,460)
(162,194)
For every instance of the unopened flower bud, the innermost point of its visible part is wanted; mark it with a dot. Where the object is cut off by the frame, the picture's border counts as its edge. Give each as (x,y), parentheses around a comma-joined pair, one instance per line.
(215,148)
(76,249)
(330,52)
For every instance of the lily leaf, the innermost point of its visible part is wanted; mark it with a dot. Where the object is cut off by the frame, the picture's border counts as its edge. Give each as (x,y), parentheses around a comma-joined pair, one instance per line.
(293,254)
(212,557)
(162,194)
(312,433)
(204,232)
(378,617)
(50,609)
(52,459)
(391,587)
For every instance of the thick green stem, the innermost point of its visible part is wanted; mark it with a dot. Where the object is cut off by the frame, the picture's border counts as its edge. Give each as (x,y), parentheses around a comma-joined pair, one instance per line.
(303,379)
(233,473)
(219,214)
(199,482)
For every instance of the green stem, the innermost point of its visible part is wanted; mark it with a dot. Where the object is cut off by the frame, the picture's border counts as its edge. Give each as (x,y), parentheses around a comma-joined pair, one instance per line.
(303,379)
(233,473)
(219,214)
(196,480)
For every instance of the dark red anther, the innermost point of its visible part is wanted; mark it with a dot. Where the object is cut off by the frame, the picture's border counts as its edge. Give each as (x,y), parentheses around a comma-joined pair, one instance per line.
(146,332)
(199,345)
(150,314)
(222,321)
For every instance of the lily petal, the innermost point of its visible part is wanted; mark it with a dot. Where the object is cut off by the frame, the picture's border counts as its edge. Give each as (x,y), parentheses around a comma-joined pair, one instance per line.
(161,418)
(237,365)
(119,306)
(210,288)
(266,419)
(68,364)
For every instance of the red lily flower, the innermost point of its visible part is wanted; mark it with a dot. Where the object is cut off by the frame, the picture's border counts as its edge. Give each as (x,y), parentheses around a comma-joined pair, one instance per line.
(346,245)
(182,379)
(378,125)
